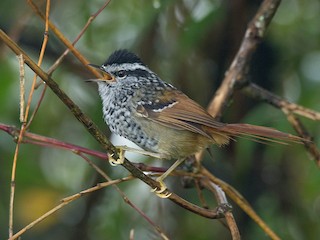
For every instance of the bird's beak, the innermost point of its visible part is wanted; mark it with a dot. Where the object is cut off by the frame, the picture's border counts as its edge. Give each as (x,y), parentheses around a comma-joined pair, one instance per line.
(106,77)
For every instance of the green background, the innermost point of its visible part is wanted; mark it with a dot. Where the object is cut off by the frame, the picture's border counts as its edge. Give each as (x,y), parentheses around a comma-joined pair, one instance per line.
(189,44)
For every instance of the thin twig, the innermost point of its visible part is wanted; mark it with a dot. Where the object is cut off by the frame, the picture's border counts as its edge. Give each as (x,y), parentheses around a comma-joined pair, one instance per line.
(124,197)
(259,93)
(42,51)
(222,201)
(12,188)
(200,194)
(43,48)
(37,106)
(23,128)
(309,145)
(65,202)
(64,40)
(64,54)
(22,87)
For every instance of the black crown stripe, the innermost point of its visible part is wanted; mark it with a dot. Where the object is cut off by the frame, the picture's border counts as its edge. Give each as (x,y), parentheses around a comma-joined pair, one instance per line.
(122,56)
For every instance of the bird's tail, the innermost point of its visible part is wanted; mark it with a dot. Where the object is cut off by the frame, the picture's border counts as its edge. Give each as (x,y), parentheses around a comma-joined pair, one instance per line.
(258,133)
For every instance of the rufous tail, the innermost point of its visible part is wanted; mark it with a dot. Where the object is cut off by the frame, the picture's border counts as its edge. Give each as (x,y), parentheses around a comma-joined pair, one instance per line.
(259,133)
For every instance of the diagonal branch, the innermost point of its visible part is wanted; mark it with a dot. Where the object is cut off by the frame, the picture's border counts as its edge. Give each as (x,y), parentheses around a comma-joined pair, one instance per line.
(289,109)
(65,202)
(64,40)
(257,92)
(98,134)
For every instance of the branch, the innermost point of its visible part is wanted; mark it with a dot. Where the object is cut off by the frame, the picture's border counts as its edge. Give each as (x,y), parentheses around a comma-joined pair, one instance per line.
(289,109)
(240,201)
(64,40)
(65,202)
(90,20)
(309,145)
(76,111)
(257,92)
(237,72)
(222,201)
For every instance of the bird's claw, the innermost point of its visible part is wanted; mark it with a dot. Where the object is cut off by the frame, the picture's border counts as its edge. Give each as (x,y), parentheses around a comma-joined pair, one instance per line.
(119,160)
(162,191)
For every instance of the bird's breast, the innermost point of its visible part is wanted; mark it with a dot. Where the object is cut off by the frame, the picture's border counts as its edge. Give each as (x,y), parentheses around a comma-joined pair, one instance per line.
(119,114)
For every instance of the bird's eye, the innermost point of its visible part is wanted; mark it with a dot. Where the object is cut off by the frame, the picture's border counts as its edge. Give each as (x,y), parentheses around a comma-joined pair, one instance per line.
(121,74)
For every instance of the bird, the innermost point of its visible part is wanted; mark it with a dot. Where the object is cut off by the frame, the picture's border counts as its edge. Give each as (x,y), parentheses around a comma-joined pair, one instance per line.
(138,105)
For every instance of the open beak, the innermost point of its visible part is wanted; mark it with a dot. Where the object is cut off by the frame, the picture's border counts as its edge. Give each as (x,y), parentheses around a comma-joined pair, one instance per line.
(106,77)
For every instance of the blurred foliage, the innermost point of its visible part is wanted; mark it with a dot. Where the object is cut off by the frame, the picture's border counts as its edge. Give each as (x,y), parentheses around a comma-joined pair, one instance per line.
(190,44)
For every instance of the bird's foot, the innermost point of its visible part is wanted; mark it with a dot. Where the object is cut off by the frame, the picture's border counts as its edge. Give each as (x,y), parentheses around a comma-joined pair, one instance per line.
(161,192)
(119,160)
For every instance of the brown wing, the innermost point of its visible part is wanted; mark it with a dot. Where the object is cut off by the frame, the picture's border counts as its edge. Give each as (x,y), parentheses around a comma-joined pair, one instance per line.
(176,110)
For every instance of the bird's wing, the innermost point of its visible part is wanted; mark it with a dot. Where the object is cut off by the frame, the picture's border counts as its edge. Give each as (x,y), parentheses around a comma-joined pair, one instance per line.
(176,110)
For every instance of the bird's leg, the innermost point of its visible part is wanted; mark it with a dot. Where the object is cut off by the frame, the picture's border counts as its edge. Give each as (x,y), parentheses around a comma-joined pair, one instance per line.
(160,180)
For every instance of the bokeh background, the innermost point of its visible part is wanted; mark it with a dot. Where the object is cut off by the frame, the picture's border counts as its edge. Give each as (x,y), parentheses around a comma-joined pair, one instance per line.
(190,44)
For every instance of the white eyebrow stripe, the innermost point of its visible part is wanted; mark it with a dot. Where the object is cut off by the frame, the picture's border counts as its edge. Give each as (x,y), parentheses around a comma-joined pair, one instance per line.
(125,67)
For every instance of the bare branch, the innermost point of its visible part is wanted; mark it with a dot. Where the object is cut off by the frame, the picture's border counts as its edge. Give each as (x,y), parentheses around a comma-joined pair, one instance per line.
(65,202)
(289,109)
(64,40)
(259,93)
(237,72)
(222,201)
(240,201)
